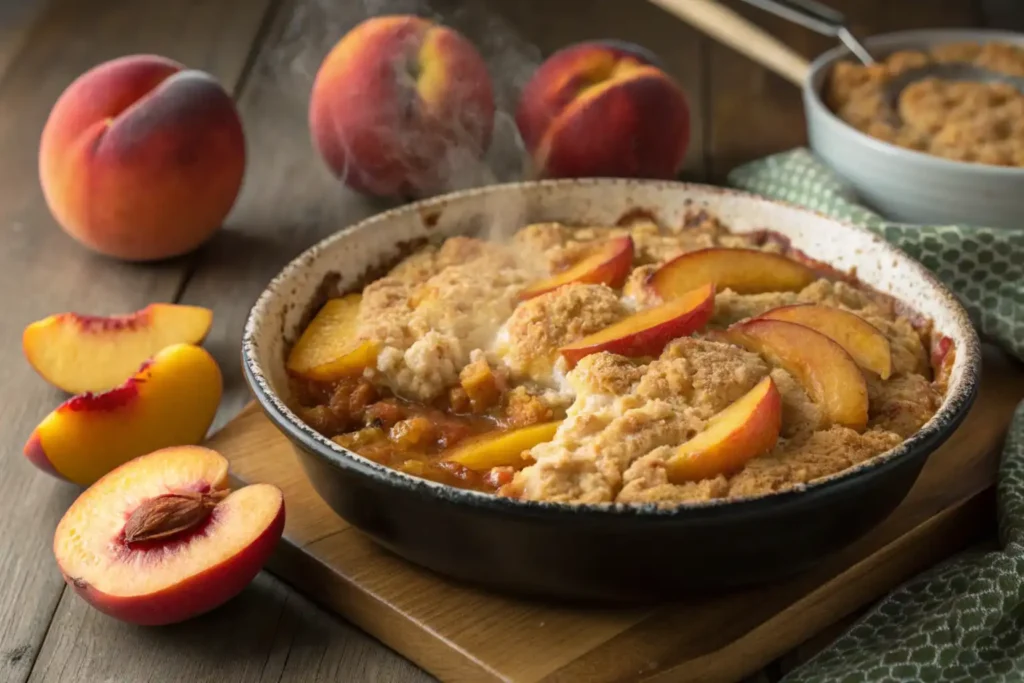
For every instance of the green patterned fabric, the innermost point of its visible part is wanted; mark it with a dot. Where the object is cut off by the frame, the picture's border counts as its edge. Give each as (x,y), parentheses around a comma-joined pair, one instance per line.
(964,619)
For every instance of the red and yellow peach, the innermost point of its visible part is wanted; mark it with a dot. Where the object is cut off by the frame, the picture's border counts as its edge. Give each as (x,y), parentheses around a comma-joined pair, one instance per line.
(161,538)
(142,158)
(604,109)
(398,104)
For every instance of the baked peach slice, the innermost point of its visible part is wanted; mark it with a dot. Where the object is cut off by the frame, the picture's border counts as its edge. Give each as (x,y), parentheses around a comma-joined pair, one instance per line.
(502,449)
(609,264)
(79,353)
(161,538)
(746,429)
(868,347)
(170,401)
(646,333)
(328,348)
(744,271)
(820,365)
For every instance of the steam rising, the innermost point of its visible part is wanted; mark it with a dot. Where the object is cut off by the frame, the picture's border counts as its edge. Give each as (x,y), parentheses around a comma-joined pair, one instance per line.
(315,27)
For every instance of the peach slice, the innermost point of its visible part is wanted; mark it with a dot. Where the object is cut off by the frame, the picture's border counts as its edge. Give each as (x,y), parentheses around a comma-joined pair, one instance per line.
(744,271)
(868,347)
(328,348)
(744,430)
(79,353)
(646,333)
(502,449)
(825,370)
(609,264)
(162,539)
(170,401)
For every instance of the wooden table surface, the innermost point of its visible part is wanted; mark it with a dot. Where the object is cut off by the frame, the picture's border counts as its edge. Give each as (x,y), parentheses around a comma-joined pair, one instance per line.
(266,53)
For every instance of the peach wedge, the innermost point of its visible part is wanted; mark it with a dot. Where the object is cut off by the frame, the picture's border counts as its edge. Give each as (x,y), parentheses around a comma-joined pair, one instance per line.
(609,264)
(744,271)
(161,538)
(868,347)
(823,368)
(170,401)
(646,333)
(328,348)
(79,353)
(744,430)
(502,449)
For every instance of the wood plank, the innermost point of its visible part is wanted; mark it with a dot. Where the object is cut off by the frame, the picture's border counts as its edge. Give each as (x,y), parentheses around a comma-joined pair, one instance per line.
(45,272)
(16,21)
(268,634)
(463,634)
(755,113)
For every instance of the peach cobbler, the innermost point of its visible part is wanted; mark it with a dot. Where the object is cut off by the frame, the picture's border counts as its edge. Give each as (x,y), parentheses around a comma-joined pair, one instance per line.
(961,120)
(627,364)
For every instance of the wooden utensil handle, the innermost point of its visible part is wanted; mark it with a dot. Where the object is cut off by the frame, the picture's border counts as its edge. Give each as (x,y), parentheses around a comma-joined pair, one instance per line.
(731,29)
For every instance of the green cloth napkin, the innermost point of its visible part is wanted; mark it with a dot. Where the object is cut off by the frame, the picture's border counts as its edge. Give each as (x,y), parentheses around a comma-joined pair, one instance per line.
(963,620)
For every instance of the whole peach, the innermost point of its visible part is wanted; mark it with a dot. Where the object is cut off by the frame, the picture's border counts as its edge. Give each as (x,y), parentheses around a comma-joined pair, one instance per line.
(604,109)
(141,158)
(399,104)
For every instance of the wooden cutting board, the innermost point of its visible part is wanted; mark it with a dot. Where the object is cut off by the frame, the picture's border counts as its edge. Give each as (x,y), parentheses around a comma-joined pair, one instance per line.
(464,634)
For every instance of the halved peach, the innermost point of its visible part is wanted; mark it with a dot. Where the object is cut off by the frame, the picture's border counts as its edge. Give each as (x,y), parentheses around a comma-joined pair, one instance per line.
(502,449)
(744,430)
(646,333)
(79,353)
(161,538)
(868,347)
(744,271)
(328,348)
(609,264)
(823,368)
(170,401)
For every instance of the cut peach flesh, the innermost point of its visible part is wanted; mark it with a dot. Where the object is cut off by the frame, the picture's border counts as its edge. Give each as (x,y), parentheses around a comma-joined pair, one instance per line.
(744,430)
(868,347)
(170,401)
(90,353)
(646,333)
(502,449)
(328,348)
(822,367)
(119,578)
(744,271)
(608,265)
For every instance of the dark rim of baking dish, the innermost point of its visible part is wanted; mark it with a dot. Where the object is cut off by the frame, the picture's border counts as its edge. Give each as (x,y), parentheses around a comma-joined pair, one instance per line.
(828,59)
(956,403)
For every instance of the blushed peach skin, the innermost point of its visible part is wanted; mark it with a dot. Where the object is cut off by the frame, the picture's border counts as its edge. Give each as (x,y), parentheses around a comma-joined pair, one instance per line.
(746,429)
(142,158)
(170,401)
(80,353)
(172,579)
(826,371)
(744,271)
(399,105)
(868,347)
(609,264)
(597,109)
(648,332)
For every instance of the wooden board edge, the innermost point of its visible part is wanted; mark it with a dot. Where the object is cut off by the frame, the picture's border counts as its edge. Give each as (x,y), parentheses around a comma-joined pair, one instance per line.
(930,542)
(414,640)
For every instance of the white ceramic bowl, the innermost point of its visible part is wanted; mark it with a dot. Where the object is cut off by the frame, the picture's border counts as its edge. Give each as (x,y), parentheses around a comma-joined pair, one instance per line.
(906,185)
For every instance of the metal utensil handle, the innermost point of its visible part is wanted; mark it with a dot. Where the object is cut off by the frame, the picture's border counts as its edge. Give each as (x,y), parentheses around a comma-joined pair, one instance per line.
(817,17)
(731,29)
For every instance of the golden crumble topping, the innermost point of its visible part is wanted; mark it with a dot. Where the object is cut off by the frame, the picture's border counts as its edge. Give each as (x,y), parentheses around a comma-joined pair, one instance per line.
(466,354)
(965,121)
